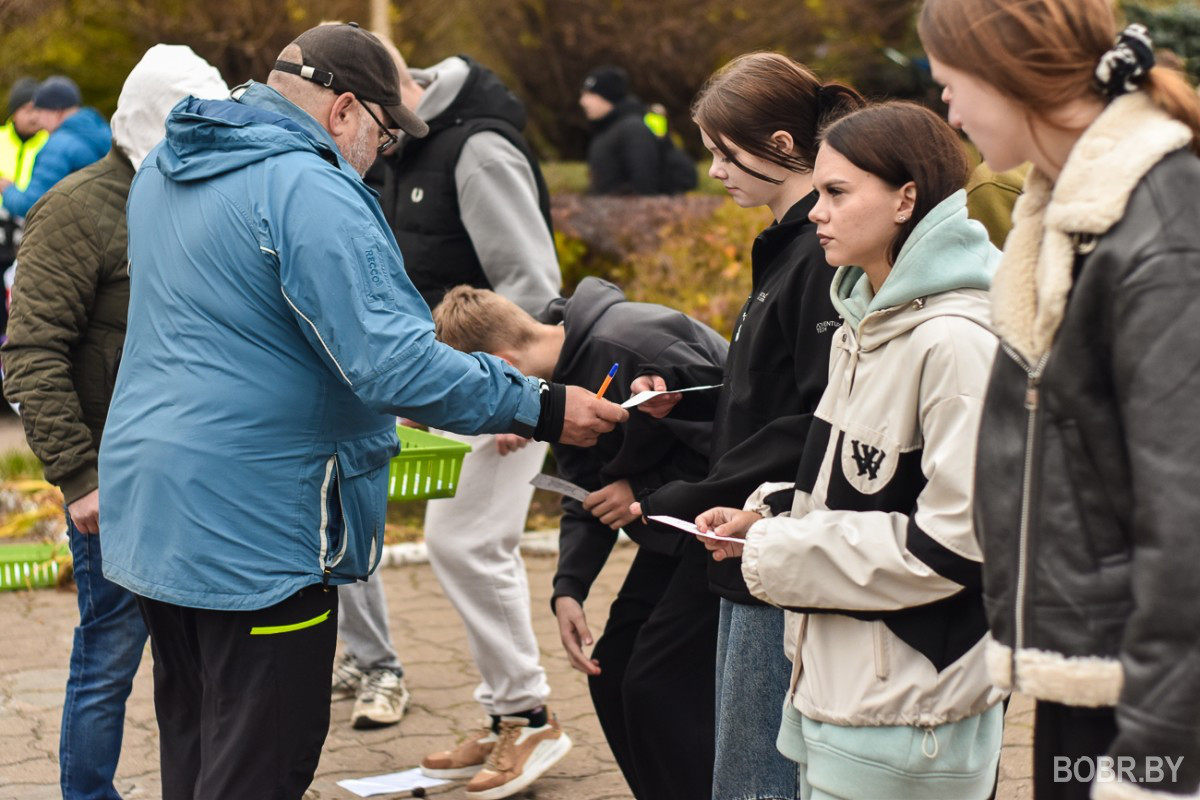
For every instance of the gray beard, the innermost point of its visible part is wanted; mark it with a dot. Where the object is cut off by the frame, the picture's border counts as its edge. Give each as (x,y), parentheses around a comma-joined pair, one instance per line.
(361,152)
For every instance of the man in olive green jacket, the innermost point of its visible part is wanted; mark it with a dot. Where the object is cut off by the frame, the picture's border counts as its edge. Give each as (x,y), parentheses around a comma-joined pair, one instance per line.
(65,336)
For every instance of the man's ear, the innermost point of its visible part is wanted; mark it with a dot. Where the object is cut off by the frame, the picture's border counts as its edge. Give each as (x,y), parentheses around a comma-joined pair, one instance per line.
(342,114)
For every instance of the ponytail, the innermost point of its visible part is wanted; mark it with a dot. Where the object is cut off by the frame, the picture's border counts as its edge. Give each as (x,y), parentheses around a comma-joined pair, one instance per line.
(1172,93)
(836,100)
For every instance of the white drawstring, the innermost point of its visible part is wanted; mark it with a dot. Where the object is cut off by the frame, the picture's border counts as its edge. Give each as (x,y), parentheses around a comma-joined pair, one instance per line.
(924,741)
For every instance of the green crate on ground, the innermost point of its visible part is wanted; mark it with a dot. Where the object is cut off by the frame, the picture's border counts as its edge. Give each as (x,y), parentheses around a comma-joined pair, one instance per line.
(30,566)
(427,467)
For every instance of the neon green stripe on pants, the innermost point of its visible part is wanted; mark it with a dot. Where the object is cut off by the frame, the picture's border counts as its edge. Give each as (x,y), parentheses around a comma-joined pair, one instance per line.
(266,630)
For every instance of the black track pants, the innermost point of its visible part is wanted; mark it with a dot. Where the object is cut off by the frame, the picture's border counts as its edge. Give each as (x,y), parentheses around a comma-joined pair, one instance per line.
(242,697)
(655,693)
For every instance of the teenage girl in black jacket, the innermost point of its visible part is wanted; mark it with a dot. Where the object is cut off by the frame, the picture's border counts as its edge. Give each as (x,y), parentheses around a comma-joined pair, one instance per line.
(1086,477)
(759,116)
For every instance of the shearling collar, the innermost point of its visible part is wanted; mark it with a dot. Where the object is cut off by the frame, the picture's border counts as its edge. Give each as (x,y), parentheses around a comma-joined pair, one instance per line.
(1030,290)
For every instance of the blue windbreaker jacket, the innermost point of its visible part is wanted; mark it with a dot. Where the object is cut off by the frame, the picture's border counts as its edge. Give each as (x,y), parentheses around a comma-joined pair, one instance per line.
(82,139)
(273,334)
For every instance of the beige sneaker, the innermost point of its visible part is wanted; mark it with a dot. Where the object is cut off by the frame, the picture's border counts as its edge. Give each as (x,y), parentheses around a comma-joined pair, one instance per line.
(382,700)
(465,759)
(520,757)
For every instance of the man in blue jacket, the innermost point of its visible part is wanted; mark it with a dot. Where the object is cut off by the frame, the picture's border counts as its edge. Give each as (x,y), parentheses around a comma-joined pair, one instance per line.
(79,136)
(273,336)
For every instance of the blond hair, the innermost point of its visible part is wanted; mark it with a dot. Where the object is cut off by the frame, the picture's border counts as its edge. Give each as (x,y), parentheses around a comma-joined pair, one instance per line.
(481,321)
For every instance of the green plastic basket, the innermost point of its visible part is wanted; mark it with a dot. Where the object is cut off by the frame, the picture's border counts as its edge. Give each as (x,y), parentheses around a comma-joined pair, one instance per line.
(427,467)
(29,566)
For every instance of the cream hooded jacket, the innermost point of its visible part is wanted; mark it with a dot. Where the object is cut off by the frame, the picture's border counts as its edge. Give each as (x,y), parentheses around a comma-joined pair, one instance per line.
(873,549)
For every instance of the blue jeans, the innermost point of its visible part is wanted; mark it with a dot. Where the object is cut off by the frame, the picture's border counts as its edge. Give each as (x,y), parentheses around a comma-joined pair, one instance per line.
(104,658)
(752,682)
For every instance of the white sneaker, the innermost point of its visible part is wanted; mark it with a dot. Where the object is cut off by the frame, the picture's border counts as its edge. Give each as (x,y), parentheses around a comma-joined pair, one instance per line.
(382,700)
(347,678)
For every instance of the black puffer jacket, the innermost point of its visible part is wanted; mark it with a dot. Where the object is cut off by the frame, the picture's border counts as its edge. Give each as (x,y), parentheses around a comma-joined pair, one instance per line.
(624,156)
(1088,478)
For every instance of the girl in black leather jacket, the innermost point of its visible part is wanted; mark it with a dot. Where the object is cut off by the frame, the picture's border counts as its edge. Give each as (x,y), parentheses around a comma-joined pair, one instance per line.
(1087,475)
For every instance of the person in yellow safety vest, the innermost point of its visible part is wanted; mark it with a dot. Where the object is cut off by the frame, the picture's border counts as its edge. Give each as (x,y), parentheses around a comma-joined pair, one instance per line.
(22,135)
(656,119)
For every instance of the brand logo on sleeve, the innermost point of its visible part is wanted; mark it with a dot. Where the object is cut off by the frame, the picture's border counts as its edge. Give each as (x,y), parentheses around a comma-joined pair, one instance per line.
(418,194)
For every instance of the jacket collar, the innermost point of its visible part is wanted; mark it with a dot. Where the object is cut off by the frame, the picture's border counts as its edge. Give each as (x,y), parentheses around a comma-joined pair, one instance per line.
(260,96)
(771,242)
(1029,294)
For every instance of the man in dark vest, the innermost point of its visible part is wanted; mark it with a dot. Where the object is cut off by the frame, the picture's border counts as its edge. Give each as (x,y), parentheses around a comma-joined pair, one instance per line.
(468,205)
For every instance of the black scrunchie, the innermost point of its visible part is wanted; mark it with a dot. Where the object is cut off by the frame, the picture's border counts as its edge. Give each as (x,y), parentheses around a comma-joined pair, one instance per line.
(827,99)
(1127,65)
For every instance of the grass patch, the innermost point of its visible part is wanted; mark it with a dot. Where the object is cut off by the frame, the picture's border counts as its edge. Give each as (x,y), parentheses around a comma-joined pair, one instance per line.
(20,465)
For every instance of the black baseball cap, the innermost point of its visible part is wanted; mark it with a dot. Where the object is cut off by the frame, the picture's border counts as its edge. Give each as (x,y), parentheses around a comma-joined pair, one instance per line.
(346,58)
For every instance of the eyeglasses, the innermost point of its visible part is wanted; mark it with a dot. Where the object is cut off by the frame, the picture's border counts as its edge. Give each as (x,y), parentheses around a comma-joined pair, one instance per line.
(386,137)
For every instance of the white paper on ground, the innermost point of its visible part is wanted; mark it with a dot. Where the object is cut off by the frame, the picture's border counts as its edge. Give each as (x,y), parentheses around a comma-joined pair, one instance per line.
(691,528)
(642,397)
(394,782)
(557,485)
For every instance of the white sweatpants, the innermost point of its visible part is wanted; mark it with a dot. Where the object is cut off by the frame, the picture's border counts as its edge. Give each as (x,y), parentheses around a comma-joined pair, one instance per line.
(474,541)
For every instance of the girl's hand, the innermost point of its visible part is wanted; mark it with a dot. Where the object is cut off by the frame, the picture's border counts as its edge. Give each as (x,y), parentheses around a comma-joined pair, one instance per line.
(657,407)
(723,521)
(611,505)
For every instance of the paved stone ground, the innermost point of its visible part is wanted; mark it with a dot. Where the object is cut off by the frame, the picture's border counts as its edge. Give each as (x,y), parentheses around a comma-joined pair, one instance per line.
(35,643)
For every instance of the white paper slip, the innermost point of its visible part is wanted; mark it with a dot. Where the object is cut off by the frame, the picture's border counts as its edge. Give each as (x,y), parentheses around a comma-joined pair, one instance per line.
(691,528)
(642,397)
(387,784)
(557,485)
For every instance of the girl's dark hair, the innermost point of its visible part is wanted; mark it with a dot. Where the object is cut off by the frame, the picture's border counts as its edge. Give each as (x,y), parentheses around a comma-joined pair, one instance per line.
(900,142)
(757,94)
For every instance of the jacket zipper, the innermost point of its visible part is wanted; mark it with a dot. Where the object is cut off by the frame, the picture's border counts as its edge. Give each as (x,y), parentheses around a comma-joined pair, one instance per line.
(1032,398)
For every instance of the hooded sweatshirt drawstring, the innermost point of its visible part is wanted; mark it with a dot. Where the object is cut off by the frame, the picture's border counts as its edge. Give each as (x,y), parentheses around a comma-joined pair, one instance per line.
(929,733)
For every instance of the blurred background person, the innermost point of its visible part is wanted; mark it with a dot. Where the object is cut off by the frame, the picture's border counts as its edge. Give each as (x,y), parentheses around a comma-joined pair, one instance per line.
(623,156)
(21,138)
(78,136)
